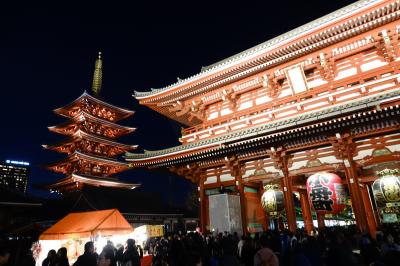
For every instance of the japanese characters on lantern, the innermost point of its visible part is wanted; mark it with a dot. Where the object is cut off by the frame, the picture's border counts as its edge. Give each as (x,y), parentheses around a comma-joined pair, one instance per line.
(386,191)
(326,193)
(387,187)
(272,201)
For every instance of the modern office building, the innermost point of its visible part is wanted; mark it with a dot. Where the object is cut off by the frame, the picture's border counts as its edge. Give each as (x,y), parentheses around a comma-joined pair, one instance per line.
(14,175)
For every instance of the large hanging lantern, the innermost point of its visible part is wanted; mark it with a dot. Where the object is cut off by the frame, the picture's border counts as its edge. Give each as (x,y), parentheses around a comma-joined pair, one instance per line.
(272,200)
(326,193)
(386,189)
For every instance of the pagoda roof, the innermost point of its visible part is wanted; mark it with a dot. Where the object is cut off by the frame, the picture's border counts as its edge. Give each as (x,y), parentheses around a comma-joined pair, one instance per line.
(92,181)
(82,115)
(203,148)
(76,155)
(78,135)
(268,46)
(123,113)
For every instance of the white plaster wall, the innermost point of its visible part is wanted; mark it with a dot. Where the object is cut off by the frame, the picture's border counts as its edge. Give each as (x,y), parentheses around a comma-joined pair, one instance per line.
(298,165)
(346,73)
(245,105)
(329,159)
(262,100)
(394,148)
(371,65)
(226,177)
(211,180)
(362,154)
(316,82)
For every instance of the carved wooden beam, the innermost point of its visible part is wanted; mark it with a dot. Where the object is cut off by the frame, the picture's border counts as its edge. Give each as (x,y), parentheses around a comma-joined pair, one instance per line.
(272,84)
(343,146)
(229,95)
(235,167)
(281,159)
(386,45)
(195,109)
(326,66)
(191,172)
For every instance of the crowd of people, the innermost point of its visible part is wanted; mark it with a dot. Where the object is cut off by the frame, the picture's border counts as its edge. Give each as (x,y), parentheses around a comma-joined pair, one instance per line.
(109,256)
(128,255)
(330,246)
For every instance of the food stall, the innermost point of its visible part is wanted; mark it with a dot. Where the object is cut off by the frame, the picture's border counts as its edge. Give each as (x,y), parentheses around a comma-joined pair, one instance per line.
(75,229)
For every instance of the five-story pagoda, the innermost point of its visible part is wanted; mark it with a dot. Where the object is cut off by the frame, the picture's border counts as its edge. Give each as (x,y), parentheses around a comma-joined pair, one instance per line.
(91,147)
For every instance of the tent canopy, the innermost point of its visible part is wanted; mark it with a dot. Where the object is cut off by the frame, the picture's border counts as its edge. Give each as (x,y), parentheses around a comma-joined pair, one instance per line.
(87,224)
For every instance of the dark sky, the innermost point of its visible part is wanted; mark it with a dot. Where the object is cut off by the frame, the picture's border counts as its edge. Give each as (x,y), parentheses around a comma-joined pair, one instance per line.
(47,55)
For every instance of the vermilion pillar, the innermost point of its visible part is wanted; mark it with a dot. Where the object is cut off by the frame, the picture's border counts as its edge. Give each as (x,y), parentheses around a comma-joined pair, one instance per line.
(355,195)
(202,206)
(242,203)
(305,209)
(289,205)
(321,221)
(369,211)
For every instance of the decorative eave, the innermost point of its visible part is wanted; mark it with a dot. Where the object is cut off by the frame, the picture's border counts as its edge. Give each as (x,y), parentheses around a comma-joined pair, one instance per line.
(76,155)
(123,113)
(75,179)
(205,147)
(332,28)
(86,116)
(82,134)
(248,146)
(79,135)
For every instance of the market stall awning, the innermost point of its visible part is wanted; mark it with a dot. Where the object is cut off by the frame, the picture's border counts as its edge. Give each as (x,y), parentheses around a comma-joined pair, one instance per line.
(86,224)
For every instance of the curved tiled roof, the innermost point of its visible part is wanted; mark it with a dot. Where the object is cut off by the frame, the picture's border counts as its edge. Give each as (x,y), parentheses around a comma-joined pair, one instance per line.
(267,128)
(93,180)
(76,137)
(217,154)
(125,112)
(264,47)
(92,118)
(89,157)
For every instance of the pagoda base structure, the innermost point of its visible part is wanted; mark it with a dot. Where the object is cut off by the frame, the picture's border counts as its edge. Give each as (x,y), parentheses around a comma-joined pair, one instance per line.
(324,97)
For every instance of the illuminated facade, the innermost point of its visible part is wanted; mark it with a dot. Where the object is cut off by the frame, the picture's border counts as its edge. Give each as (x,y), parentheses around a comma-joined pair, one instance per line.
(14,175)
(322,97)
(91,130)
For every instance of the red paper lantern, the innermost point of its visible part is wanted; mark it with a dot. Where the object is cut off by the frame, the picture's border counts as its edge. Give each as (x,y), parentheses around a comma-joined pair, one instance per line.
(326,193)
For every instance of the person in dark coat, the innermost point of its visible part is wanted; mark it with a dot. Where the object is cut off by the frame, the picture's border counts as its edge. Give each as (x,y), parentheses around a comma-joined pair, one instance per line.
(106,258)
(51,258)
(229,253)
(88,258)
(119,254)
(62,259)
(110,246)
(140,251)
(131,254)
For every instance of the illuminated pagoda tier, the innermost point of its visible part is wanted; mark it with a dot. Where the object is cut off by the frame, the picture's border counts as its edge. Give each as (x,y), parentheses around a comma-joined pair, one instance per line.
(321,98)
(92,150)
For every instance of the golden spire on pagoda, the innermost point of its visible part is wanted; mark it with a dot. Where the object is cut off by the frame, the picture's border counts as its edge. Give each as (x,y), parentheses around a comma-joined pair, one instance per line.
(97,76)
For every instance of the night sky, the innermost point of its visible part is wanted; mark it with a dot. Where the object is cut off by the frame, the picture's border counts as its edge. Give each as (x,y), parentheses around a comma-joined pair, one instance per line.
(47,55)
